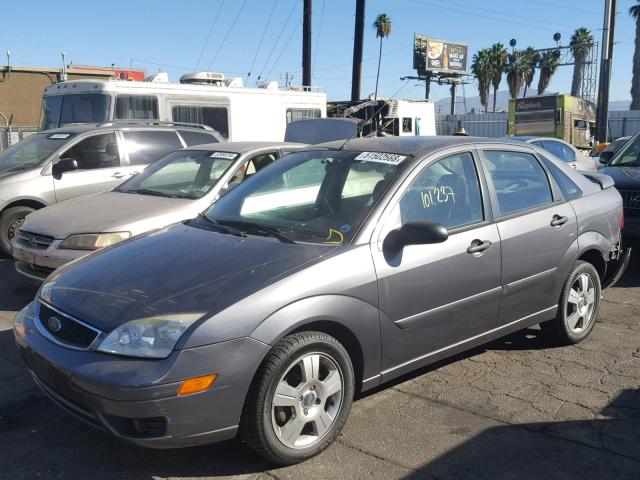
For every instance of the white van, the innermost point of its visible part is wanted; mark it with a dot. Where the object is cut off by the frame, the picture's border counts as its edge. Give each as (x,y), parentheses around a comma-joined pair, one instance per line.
(236,112)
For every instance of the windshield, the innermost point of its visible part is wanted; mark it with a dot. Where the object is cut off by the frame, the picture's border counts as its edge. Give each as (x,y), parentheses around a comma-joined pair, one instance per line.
(59,110)
(184,174)
(33,151)
(628,155)
(315,196)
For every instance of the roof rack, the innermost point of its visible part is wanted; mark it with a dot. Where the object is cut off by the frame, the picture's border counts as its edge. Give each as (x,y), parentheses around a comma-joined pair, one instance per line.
(153,122)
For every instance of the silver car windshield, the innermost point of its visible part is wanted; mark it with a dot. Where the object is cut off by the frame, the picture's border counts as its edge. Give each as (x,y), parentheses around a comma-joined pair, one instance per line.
(184,174)
(31,152)
(312,196)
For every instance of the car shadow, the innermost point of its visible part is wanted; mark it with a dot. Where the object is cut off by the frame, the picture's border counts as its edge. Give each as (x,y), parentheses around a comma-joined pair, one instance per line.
(17,290)
(603,448)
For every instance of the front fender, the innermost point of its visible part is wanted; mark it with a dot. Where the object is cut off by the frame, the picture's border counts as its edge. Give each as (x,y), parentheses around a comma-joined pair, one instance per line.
(359,317)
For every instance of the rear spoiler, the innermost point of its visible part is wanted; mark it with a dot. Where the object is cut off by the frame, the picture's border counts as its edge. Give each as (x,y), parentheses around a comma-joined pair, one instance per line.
(605,181)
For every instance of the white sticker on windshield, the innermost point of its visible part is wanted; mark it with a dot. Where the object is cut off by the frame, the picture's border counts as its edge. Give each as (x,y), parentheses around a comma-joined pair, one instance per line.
(379,157)
(226,155)
(59,136)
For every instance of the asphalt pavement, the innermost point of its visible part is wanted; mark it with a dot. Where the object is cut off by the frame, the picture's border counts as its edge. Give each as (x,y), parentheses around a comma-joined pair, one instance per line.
(516,408)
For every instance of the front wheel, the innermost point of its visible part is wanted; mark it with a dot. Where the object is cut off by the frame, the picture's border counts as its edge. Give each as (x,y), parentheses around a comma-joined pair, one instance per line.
(300,398)
(10,222)
(578,307)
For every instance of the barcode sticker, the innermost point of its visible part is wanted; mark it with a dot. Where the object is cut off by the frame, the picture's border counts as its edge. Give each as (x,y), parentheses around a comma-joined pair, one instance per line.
(379,157)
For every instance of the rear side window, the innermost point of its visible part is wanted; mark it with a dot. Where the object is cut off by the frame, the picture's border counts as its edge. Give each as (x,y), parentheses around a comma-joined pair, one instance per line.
(446,192)
(216,117)
(147,146)
(570,190)
(97,151)
(138,107)
(196,138)
(554,148)
(519,180)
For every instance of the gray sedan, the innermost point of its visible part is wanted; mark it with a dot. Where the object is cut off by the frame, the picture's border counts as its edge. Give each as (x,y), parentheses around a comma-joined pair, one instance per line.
(339,268)
(176,188)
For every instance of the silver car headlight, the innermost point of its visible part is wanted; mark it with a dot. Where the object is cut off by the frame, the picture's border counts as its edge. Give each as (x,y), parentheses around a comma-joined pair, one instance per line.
(152,337)
(93,241)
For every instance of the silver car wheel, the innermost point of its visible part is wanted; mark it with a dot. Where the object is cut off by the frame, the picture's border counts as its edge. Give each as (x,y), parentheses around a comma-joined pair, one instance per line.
(307,400)
(581,303)
(14,227)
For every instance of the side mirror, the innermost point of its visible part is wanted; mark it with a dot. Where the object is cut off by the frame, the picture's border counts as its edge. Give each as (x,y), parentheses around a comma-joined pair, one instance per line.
(64,165)
(605,157)
(415,233)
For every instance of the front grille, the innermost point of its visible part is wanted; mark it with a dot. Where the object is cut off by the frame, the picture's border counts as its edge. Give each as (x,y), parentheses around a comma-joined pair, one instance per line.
(631,202)
(65,329)
(34,240)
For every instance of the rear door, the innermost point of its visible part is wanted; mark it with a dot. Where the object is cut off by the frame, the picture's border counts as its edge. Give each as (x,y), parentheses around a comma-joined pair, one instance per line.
(147,146)
(100,167)
(432,296)
(538,232)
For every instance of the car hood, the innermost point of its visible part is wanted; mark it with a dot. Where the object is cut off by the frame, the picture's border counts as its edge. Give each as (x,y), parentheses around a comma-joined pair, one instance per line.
(182,269)
(107,212)
(624,178)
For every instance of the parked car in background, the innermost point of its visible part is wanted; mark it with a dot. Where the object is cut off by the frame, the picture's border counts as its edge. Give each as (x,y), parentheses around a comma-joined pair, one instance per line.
(624,169)
(178,187)
(561,150)
(77,160)
(338,268)
(604,157)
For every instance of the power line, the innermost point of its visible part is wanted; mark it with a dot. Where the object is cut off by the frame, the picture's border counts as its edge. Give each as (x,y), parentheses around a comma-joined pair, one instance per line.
(554,5)
(227,34)
(364,59)
(286,22)
(264,32)
(315,53)
(284,47)
(206,42)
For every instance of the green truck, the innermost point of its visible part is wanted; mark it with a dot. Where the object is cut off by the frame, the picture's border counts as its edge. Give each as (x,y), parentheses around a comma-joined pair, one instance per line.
(571,119)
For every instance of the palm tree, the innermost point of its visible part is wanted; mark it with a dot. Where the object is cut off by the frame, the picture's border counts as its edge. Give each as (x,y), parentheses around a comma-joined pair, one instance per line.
(581,44)
(531,59)
(481,68)
(634,11)
(383,30)
(498,61)
(548,65)
(515,70)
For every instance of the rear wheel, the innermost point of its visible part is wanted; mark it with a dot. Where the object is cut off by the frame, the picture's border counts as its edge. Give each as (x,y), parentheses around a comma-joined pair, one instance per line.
(10,222)
(300,398)
(579,306)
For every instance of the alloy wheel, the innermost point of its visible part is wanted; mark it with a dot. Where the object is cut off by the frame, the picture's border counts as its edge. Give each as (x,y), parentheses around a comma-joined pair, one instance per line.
(581,303)
(14,227)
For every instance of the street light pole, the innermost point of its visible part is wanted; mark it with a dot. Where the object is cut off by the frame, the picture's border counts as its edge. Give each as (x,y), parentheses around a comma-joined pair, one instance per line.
(602,111)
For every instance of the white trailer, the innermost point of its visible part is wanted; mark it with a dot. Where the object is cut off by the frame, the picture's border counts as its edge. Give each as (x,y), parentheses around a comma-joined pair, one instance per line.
(238,113)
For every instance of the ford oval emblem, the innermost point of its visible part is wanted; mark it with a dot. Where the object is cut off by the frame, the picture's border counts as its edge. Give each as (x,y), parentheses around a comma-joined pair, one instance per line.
(54,324)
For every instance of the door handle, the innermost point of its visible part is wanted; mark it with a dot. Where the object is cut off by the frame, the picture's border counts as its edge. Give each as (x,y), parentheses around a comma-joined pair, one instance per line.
(559,220)
(478,246)
(118,175)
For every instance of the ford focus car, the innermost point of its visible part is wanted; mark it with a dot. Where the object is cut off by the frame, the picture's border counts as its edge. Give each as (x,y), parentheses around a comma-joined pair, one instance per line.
(339,268)
(176,188)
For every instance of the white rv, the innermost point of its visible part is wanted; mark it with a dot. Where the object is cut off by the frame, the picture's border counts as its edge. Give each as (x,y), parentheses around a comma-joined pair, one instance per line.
(238,113)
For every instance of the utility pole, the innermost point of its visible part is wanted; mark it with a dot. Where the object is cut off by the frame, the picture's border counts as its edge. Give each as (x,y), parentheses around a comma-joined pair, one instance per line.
(602,111)
(358,45)
(306,44)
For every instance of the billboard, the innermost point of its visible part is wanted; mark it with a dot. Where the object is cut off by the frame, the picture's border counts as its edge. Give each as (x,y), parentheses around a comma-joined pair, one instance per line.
(432,55)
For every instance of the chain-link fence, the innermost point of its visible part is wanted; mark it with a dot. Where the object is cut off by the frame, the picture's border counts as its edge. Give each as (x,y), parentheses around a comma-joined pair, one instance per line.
(11,135)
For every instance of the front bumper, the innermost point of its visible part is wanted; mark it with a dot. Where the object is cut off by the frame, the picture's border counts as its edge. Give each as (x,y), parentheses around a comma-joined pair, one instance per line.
(136,399)
(38,263)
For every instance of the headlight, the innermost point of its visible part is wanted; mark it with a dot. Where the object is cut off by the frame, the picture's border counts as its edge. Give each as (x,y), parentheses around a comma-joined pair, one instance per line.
(152,337)
(93,241)
(18,321)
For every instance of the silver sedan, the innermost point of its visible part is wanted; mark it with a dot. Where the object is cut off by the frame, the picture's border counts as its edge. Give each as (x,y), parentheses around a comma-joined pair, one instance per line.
(175,188)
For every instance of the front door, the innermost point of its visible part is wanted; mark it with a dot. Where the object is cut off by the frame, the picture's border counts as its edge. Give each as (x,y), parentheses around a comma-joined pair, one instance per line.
(99,167)
(538,231)
(432,296)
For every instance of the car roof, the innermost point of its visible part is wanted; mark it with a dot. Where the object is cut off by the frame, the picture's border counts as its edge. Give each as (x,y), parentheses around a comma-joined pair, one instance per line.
(242,147)
(415,146)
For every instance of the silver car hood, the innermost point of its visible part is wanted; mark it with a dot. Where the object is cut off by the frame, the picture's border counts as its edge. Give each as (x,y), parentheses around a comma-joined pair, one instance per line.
(109,212)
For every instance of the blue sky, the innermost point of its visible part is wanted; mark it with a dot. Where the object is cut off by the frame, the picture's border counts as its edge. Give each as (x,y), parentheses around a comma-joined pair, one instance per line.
(170,36)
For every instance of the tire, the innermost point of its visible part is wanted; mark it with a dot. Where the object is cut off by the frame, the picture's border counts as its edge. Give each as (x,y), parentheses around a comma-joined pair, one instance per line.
(10,221)
(271,430)
(578,308)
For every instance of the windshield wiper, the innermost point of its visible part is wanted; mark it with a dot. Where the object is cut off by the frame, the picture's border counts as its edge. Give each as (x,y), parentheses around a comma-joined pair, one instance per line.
(148,191)
(221,228)
(257,228)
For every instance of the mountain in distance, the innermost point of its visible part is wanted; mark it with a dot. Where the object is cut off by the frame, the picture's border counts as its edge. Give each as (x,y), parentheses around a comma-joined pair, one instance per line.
(473,105)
